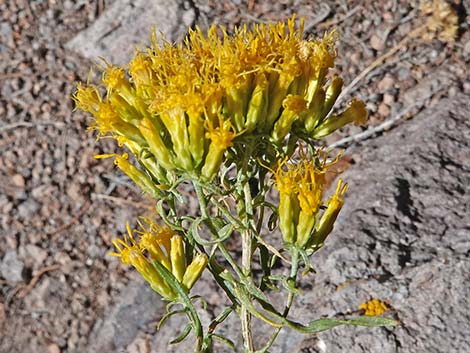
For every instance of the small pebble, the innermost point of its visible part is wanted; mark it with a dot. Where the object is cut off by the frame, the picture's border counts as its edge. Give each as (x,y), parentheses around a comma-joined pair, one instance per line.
(386,83)
(377,43)
(466,86)
(18,180)
(53,348)
(388,99)
(388,16)
(384,109)
(11,267)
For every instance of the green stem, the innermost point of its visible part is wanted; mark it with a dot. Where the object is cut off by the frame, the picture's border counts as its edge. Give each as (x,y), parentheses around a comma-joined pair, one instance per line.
(227,214)
(247,281)
(205,214)
(290,299)
(198,332)
(214,267)
(293,275)
(247,253)
(262,191)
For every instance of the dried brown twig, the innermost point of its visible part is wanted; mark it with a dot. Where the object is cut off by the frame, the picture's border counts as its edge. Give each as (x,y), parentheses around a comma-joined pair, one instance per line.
(383,126)
(122,201)
(30,286)
(336,21)
(30,124)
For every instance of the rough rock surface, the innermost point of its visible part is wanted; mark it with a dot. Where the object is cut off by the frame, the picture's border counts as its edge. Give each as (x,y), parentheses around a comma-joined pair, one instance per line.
(403,237)
(138,309)
(126,24)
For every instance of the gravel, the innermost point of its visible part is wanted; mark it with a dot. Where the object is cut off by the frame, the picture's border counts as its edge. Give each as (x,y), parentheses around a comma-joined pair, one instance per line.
(59,206)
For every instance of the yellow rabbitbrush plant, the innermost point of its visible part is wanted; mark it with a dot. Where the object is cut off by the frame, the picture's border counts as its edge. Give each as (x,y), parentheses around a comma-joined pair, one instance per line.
(264,83)
(226,113)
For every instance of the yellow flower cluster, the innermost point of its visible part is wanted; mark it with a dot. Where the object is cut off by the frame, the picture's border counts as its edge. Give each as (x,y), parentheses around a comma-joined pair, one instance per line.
(160,244)
(185,105)
(374,307)
(300,188)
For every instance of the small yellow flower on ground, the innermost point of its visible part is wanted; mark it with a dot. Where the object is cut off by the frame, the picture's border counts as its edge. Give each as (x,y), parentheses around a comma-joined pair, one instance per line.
(374,307)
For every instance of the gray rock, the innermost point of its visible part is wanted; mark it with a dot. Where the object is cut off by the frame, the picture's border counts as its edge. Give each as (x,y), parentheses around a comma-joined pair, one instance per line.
(403,237)
(137,308)
(27,209)
(127,24)
(35,254)
(11,267)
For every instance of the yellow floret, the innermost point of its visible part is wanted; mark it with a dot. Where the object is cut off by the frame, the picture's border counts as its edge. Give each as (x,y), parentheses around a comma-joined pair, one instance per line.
(374,307)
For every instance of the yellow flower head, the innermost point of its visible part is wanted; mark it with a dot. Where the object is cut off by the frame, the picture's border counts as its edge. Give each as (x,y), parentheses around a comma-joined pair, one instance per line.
(156,241)
(159,234)
(87,98)
(304,178)
(131,254)
(374,307)
(106,119)
(222,135)
(194,270)
(120,160)
(442,20)
(114,77)
(326,223)
(358,111)
(140,69)
(300,187)
(286,182)
(141,178)
(320,53)
(336,201)
(355,113)
(296,104)
(286,177)
(127,249)
(160,244)
(310,188)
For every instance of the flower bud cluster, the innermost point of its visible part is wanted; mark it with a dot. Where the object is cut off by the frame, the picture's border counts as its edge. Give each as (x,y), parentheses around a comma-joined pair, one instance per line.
(162,245)
(301,188)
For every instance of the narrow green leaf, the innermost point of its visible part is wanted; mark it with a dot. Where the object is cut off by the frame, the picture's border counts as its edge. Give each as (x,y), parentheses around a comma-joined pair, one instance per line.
(243,296)
(182,335)
(224,340)
(220,318)
(183,296)
(224,233)
(253,290)
(289,284)
(372,321)
(272,221)
(167,316)
(328,323)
